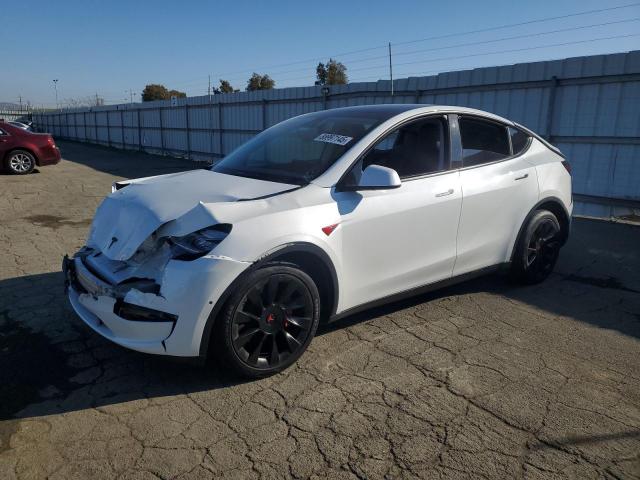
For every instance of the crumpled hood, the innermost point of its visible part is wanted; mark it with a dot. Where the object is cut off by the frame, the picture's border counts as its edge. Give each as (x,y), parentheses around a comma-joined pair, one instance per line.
(127,217)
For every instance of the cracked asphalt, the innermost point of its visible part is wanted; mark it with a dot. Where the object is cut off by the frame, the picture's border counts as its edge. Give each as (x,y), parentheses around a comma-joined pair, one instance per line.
(481,380)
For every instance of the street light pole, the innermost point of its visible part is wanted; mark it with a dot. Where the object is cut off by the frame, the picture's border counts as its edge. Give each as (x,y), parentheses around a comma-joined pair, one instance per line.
(55,86)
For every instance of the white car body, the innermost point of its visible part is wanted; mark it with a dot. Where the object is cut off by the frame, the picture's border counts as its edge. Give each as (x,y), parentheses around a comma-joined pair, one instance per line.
(429,231)
(21,125)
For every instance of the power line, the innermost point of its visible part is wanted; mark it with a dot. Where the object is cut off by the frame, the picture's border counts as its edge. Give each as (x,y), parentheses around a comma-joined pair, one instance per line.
(202,81)
(447,47)
(487,53)
(435,37)
(522,49)
(503,39)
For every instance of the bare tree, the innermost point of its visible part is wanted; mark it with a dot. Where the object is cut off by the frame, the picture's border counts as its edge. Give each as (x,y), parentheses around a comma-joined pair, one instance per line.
(88,101)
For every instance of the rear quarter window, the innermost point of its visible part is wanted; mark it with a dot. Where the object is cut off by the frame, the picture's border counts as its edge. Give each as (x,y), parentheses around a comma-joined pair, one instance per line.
(519,140)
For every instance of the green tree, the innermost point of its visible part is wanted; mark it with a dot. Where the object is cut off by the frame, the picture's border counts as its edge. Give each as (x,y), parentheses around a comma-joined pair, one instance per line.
(321,74)
(336,73)
(154,91)
(225,87)
(260,82)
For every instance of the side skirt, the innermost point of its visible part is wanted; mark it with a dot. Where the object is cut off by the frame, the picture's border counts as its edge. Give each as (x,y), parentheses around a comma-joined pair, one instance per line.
(420,290)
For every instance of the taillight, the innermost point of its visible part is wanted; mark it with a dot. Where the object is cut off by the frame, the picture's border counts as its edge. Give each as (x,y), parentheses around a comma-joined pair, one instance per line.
(567,166)
(50,141)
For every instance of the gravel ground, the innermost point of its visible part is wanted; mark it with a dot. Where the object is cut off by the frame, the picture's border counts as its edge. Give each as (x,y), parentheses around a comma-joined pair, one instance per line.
(481,380)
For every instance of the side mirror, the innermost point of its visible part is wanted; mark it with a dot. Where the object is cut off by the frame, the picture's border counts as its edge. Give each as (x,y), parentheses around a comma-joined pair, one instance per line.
(377,177)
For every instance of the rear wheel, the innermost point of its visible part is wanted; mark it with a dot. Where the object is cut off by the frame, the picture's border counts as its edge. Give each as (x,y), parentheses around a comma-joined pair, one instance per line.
(20,162)
(269,322)
(537,251)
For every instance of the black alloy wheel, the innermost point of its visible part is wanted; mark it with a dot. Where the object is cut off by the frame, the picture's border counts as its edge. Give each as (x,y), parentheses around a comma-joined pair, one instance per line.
(537,253)
(543,247)
(270,321)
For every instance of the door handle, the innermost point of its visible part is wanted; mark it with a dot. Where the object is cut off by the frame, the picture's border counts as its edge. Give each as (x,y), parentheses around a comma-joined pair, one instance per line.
(526,175)
(444,194)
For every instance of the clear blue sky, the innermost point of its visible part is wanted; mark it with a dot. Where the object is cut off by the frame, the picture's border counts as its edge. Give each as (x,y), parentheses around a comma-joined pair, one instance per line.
(111,46)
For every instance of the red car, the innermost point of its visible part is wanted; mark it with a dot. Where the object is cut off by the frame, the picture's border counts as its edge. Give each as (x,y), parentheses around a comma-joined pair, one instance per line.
(21,150)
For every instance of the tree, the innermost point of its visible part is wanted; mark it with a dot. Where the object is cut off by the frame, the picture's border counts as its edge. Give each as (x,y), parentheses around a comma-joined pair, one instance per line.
(88,101)
(225,87)
(177,93)
(154,91)
(336,73)
(321,74)
(260,82)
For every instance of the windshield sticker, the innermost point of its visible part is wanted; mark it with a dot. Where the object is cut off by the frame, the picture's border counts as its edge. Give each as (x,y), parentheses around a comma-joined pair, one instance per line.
(333,138)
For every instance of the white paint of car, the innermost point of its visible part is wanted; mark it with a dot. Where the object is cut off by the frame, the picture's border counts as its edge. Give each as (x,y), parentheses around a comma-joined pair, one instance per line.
(21,125)
(387,241)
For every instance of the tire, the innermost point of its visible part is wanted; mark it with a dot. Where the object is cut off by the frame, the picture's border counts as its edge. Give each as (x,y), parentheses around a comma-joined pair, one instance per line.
(20,162)
(268,322)
(537,250)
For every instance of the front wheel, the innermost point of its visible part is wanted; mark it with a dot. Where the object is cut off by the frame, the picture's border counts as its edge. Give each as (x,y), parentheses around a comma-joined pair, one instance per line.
(20,162)
(537,251)
(269,322)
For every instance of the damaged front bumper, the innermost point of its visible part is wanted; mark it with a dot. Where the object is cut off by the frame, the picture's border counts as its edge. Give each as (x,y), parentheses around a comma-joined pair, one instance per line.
(165,318)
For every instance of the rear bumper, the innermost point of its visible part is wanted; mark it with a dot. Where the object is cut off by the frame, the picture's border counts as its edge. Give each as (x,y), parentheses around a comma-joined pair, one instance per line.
(49,156)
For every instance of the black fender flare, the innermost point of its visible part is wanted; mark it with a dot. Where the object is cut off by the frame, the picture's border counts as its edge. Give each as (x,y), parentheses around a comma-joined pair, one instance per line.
(274,254)
(536,207)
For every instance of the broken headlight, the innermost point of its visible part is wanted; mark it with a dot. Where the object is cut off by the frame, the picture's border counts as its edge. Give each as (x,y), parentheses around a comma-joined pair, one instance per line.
(197,244)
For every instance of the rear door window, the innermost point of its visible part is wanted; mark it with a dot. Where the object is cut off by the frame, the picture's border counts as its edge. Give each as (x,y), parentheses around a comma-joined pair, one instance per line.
(483,141)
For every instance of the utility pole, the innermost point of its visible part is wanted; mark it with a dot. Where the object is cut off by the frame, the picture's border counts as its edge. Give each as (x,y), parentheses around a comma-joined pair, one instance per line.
(96,99)
(20,101)
(55,86)
(390,69)
(131,94)
(209,89)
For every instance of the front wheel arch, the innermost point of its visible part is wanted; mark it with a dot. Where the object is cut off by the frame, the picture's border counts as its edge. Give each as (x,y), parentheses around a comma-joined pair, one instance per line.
(310,258)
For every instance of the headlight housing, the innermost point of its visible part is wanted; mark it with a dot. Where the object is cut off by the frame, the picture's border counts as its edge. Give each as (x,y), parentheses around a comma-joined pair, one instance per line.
(199,243)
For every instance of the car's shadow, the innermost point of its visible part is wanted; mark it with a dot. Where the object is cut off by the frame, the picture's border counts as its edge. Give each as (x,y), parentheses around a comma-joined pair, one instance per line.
(7,173)
(52,363)
(55,364)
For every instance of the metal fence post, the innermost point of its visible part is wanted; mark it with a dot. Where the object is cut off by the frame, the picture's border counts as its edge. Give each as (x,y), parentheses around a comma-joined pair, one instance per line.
(108,130)
(211,130)
(186,116)
(122,128)
(553,86)
(264,114)
(139,135)
(95,127)
(220,142)
(161,131)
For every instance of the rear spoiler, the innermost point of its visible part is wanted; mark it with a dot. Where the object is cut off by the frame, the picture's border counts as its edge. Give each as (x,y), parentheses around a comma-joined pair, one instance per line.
(553,148)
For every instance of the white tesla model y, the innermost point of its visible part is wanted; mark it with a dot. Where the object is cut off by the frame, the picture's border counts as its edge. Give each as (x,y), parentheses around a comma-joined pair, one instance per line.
(317,217)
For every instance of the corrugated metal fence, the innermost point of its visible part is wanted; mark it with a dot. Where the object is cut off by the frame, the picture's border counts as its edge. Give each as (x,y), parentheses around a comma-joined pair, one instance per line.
(15,114)
(587,106)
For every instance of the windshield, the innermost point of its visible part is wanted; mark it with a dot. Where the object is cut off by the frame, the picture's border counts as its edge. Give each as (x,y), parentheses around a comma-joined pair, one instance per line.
(298,150)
